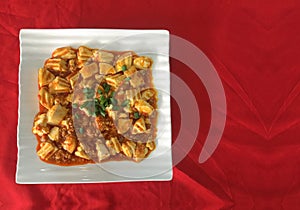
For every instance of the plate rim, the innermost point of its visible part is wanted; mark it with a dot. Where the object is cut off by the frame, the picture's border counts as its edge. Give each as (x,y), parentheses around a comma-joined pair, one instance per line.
(18,167)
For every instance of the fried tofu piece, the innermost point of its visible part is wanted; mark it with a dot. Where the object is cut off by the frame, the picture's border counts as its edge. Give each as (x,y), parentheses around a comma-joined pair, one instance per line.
(54,133)
(143,107)
(128,148)
(46,150)
(69,97)
(111,113)
(103,152)
(142,62)
(133,95)
(132,70)
(110,147)
(127,151)
(139,126)
(40,126)
(64,53)
(41,119)
(46,99)
(65,123)
(123,125)
(56,64)
(117,145)
(147,94)
(150,145)
(80,63)
(140,152)
(73,79)
(81,153)
(56,114)
(103,56)
(72,64)
(45,77)
(105,68)
(89,70)
(115,80)
(114,144)
(70,143)
(59,85)
(124,61)
(132,145)
(84,53)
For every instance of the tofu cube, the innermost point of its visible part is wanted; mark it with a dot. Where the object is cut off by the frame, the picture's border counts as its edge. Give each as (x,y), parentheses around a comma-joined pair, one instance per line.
(56,114)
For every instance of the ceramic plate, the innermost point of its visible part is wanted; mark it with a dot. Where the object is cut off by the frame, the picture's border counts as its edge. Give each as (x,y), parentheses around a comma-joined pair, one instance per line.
(36,46)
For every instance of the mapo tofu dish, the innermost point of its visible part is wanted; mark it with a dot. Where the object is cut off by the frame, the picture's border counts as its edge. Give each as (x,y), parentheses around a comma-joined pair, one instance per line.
(95,106)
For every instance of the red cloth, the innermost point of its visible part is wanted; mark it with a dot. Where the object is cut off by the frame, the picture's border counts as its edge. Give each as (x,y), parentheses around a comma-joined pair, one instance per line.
(255,49)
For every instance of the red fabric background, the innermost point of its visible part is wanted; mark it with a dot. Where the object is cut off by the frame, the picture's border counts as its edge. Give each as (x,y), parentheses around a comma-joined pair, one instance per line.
(255,49)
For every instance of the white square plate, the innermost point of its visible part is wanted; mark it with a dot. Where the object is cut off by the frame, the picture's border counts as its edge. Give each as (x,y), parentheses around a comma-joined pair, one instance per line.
(35,47)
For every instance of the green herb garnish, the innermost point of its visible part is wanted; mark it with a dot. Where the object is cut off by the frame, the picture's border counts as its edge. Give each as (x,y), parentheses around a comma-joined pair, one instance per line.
(104,100)
(88,92)
(136,115)
(103,113)
(107,88)
(81,130)
(125,103)
(76,116)
(124,68)
(113,101)
(85,104)
(104,85)
(89,96)
(115,108)
(113,93)
(74,105)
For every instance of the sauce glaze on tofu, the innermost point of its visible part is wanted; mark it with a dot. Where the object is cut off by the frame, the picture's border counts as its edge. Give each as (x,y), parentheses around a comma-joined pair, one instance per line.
(95,106)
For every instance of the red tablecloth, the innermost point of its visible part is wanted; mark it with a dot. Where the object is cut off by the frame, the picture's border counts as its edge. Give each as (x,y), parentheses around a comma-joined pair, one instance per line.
(254,47)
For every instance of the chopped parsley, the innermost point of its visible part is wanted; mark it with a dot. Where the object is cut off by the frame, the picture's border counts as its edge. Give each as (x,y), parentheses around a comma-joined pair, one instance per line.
(136,115)
(124,68)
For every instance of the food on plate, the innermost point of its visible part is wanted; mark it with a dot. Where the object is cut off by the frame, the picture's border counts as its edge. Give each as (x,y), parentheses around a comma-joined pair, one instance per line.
(95,106)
